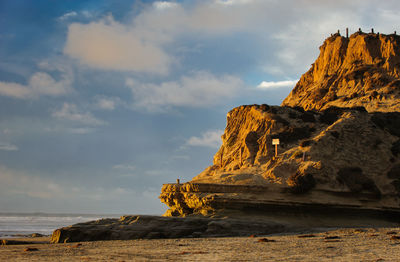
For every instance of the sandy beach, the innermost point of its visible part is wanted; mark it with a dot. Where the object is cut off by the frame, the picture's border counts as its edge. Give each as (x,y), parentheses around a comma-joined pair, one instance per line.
(350,244)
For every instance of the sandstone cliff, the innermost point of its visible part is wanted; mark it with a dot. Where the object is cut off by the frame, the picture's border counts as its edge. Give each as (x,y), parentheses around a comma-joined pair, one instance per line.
(339,150)
(339,157)
(362,70)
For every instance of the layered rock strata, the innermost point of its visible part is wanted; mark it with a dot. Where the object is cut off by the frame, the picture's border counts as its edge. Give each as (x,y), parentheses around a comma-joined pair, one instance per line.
(362,70)
(338,159)
(339,141)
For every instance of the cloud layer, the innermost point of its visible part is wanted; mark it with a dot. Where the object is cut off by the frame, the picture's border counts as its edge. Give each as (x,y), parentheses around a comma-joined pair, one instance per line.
(109,45)
(72,113)
(39,84)
(277,84)
(211,138)
(199,89)
(147,43)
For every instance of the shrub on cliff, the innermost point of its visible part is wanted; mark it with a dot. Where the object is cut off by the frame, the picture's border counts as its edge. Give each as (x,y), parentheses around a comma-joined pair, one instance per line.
(308,117)
(356,181)
(387,121)
(300,183)
(293,134)
(394,172)
(330,115)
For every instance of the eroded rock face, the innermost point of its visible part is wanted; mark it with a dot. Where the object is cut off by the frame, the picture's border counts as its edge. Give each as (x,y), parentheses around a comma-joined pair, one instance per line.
(151,227)
(362,70)
(337,157)
(339,132)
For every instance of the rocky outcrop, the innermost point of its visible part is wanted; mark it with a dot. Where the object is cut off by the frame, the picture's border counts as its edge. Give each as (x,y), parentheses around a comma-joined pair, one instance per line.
(362,70)
(338,159)
(339,143)
(150,227)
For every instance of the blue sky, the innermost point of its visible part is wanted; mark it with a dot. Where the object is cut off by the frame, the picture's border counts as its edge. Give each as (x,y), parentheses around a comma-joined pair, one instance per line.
(101,102)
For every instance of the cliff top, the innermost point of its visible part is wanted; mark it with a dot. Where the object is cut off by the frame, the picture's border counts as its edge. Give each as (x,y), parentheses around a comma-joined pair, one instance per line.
(360,70)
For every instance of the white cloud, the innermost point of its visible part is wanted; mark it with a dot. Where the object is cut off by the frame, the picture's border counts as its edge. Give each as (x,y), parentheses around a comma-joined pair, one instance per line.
(72,113)
(70,130)
(80,130)
(234,2)
(68,15)
(75,15)
(197,90)
(43,84)
(87,14)
(140,45)
(125,167)
(211,138)
(161,5)
(8,147)
(40,83)
(109,45)
(276,84)
(107,103)
(15,90)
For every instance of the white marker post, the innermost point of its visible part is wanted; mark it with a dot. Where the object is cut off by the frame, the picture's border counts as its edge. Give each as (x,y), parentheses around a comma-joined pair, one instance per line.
(276,143)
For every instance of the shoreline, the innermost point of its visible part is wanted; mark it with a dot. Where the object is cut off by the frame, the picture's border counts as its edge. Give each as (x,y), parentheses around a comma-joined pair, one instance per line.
(347,244)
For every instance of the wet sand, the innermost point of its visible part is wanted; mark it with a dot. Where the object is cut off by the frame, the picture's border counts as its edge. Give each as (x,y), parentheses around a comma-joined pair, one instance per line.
(350,244)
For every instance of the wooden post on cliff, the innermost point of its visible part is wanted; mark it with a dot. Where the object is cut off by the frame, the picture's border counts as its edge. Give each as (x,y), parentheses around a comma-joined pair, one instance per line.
(347,32)
(359,30)
(178,181)
(395,32)
(372,30)
(276,143)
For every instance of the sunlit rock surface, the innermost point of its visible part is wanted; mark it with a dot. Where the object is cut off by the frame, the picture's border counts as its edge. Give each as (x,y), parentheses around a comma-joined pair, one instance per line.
(339,150)
(362,70)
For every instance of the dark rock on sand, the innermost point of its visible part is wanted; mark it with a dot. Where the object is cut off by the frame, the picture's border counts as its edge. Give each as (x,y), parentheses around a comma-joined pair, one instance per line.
(149,227)
(15,242)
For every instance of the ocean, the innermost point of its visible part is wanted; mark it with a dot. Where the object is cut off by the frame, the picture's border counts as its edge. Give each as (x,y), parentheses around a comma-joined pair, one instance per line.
(16,224)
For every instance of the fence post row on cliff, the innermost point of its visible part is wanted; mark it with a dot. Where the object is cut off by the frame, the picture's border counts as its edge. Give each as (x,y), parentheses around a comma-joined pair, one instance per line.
(359,31)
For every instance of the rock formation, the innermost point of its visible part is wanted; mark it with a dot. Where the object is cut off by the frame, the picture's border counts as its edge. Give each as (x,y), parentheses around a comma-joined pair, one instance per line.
(339,151)
(339,157)
(362,70)
(150,227)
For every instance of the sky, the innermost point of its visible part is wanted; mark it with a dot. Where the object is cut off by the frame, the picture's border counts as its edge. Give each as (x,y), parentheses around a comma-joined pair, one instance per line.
(101,102)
